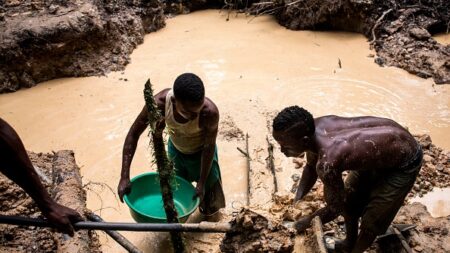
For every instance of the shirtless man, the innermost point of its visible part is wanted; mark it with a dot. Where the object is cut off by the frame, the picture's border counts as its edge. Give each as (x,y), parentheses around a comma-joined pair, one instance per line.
(16,165)
(192,121)
(382,157)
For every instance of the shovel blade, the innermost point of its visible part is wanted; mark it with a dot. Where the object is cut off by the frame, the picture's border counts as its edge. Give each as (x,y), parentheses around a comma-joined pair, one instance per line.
(400,227)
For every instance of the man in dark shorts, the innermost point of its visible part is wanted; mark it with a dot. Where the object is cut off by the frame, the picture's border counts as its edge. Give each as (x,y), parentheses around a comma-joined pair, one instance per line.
(16,165)
(192,122)
(382,157)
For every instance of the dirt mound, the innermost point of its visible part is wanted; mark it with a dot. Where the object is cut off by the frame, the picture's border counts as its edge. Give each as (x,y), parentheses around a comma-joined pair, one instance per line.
(430,234)
(255,233)
(228,130)
(42,40)
(60,175)
(284,208)
(435,171)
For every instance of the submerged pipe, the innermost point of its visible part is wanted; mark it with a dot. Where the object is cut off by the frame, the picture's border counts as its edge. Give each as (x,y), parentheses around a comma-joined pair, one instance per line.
(202,227)
(120,239)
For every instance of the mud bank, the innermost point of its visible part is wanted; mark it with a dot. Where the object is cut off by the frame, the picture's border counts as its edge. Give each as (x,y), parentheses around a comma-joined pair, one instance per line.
(400,30)
(42,40)
(61,176)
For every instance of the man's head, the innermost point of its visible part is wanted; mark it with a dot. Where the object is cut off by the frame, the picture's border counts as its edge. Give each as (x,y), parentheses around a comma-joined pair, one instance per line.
(293,129)
(189,95)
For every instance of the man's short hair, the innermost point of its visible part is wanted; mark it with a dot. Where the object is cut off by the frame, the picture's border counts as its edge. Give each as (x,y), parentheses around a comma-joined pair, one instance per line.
(292,117)
(189,87)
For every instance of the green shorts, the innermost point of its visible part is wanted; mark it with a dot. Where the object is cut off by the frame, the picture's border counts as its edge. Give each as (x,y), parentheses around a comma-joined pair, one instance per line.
(188,166)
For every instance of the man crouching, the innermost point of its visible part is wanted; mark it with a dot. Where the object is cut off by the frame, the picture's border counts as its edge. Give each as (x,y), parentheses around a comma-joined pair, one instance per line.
(382,157)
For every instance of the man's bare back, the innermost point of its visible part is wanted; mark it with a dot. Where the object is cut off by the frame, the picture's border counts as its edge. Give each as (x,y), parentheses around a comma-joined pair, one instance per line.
(383,159)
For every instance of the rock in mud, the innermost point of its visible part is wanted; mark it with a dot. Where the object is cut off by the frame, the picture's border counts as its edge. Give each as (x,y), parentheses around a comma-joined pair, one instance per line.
(419,33)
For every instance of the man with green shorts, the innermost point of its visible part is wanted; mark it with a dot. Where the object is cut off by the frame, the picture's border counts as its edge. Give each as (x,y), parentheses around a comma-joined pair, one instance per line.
(383,160)
(192,122)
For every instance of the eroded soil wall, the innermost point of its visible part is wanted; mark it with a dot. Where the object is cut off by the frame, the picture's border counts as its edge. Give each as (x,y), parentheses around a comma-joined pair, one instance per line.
(42,40)
(61,176)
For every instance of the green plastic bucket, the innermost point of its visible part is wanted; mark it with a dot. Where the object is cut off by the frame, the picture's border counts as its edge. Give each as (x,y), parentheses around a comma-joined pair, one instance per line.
(145,200)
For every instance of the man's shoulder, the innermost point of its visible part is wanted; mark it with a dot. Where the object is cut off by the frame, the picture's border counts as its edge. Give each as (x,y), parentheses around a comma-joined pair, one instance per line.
(160,98)
(209,113)
(210,109)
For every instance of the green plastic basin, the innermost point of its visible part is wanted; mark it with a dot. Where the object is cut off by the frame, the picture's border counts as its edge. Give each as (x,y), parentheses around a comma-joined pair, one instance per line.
(145,200)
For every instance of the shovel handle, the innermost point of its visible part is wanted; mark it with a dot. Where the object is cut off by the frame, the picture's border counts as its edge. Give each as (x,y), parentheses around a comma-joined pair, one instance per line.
(402,239)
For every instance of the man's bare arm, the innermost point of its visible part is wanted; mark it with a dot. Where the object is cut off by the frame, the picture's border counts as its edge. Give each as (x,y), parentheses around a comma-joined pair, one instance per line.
(17,166)
(129,147)
(211,125)
(334,196)
(131,141)
(309,177)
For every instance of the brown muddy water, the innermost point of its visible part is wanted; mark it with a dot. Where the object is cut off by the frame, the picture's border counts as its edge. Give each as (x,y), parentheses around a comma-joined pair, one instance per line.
(251,68)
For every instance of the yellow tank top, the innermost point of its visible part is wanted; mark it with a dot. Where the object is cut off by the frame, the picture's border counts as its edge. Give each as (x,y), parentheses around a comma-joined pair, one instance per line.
(187,137)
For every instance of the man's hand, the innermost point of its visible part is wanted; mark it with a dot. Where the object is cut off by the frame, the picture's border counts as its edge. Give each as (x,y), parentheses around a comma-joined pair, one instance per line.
(302,224)
(62,218)
(123,188)
(199,192)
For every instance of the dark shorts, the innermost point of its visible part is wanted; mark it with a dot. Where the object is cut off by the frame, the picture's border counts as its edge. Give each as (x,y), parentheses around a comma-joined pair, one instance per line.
(188,167)
(376,197)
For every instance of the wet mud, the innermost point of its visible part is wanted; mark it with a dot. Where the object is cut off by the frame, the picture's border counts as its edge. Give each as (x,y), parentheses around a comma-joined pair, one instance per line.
(400,31)
(42,40)
(253,232)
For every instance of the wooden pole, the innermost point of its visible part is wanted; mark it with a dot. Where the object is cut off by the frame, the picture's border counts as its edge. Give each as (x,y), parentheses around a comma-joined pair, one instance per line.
(402,239)
(271,165)
(202,227)
(120,239)
(165,167)
(249,170)
(318,232)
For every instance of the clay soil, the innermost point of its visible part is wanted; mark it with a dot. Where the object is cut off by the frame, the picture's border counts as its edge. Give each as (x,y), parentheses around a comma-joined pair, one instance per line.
(61,177)
(42,40)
